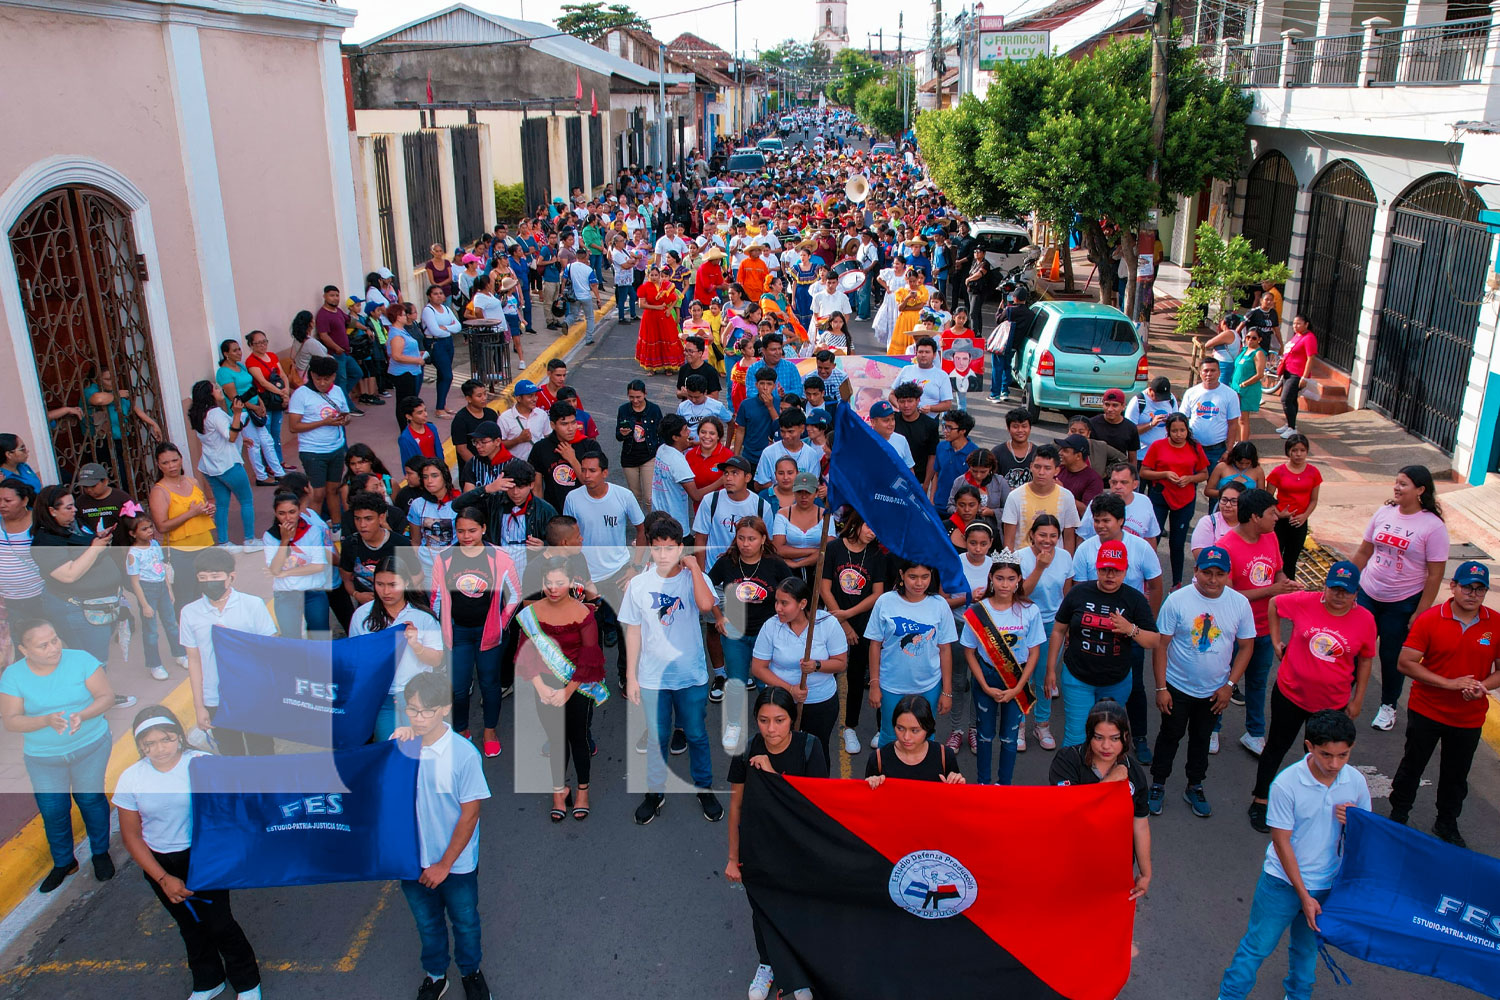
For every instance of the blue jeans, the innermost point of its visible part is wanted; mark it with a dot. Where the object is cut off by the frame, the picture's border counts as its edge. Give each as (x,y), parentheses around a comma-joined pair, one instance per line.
(888,701)
(390,717)
(596,261)
(468,660)
(273,431)
(1390,631)
(987,712)
(1214,453)
(1041,712)
(999,375)
(689,708)
(1257,674)
(441,355)
(582,311)
(1275,909)
(458,896)
(76,631)
(79,775)
(862,300)
(737,666)
(1175,521)
(626,295)
(526,303)
(1079,698)
(349,374)
(300,611)
(165,616)
(236,483)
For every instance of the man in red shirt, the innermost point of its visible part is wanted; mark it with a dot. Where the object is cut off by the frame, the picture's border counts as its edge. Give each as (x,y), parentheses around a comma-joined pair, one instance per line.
(557,377)
(1452,655)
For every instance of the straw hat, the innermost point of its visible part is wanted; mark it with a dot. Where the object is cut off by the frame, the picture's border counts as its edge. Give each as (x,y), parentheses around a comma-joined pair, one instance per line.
(714,253)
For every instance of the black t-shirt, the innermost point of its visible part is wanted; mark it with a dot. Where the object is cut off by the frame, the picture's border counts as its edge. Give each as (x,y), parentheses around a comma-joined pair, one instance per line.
(1017,471)
(1095,653)
(854,577)
(51,551)
(922,435)
(802,758)
(360,559)
(462,428)
(1021,321)
(932,767)
(1264,320)
(92,513)
(639,448)
(558,478)
(471,587)
(1123,436)
(710,375)
(400,505)
(749,589)
(1070,768)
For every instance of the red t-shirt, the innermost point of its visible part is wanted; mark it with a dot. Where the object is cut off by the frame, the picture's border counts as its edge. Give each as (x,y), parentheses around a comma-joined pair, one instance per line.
(1185,460)
(706,468)
(1294,490)
(1450,650)
(1253,567)
(1317,671)
(426,440)
(271,364)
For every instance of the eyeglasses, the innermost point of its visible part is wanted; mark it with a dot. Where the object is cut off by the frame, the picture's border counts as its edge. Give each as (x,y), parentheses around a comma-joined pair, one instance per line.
(151,746)
(1473,589)
(420,713)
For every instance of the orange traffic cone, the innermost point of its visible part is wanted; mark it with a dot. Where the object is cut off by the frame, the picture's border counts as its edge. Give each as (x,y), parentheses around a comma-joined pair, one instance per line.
(1056,273)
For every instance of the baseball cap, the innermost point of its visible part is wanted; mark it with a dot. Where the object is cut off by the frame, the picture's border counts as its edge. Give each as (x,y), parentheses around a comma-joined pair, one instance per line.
(525,387)
(1344,575)
(817,418)
(882,409)
(737,462)
(92,474)
(485,429)
(1471,572)
(1076,442)
(805,482)
(1114,395)
(1112,556)
(385,272)
(1214,557)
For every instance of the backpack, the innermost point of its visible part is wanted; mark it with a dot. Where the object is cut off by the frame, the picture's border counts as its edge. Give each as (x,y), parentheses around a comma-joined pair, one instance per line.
(713,505)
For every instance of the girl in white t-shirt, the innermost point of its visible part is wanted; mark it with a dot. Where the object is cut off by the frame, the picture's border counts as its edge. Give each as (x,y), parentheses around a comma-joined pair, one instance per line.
(146,568)
(1004,614)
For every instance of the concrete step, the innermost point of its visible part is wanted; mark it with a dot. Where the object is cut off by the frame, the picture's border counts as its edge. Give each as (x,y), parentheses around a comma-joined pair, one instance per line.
(1327,389)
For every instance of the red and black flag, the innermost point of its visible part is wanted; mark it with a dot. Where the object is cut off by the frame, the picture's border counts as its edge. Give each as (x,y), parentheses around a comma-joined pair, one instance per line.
(917,887)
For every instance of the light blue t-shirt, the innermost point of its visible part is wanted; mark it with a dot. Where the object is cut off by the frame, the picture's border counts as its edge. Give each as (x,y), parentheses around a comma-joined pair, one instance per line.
(808,459)
(798,538)
(407,346)
(1141,561)
(666,611)
(694,413)
(63,690)
(718,516)
(910,635)
(1203,632)
(783,649)
(607,526)
(668,472)
(1047,592)
(1020,624)
(449,774)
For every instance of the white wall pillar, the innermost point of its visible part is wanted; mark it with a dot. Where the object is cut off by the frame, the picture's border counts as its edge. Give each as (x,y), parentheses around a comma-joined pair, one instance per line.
(1369,308)
(340,166)
(447,188)
(1297,251)
(487,179)
(1486,353)
(1266,25)
(1336,17)
(371,215)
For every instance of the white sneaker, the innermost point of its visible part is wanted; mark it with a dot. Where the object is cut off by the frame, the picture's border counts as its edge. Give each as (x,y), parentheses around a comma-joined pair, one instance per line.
(1044,736)
(1255,744)
(1282,429)
(760,986)
(851,742)
(208,994)
(1213,742)
(731,741)
(1021,740)
(1288,432)
(803,994)
(1385,718)
(181,661)
(159,672)
(251,994)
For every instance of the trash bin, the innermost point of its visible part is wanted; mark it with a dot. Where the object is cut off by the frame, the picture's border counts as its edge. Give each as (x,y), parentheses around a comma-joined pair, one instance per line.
(489,352)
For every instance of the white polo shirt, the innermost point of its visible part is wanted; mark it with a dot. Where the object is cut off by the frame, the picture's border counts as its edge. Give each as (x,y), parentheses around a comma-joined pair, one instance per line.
(450,773)
(1140,518)
(1300,803)
(196,624)
(935,384)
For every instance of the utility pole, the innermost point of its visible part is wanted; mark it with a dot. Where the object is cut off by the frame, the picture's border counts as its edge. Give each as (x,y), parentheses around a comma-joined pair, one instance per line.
(661,85)
(901,70)
(736,69)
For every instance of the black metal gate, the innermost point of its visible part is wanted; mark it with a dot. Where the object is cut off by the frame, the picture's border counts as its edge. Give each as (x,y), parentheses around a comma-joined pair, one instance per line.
(681,140)
(575,154)
(424,193)
(1270,204)
(536,163)
(468,183)
(384,213)
(596,151)
(1340,226)
(1434,287)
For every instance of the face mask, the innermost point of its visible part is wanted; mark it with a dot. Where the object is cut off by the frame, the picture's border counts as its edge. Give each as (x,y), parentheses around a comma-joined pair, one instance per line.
(213,589)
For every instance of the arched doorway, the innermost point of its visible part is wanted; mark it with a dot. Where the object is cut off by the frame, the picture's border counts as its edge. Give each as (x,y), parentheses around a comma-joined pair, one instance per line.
(78,271)
(1270,204)
(1340,224)
(1434,287)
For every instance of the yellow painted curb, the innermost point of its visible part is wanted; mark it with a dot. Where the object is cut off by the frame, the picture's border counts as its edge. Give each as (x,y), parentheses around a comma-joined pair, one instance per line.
(1492,725)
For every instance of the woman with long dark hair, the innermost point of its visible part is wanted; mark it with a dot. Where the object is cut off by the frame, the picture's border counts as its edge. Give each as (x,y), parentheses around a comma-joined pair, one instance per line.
(1292,368)
(184,519)
(746,576)
(1174,466)
(83,578)
(781,658)
(911,635)
(21,584)
(237,383)
(913,753)
(305,347)
(400,599)
(1401,563)
(219,435)
(853,579)
(1002,638)
(430,516)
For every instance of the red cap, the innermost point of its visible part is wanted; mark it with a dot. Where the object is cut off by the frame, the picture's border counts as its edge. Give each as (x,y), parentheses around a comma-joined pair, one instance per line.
(1114,396)
(1112,556)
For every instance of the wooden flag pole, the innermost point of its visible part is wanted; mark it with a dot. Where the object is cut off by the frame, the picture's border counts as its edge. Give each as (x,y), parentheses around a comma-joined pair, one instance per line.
(812,607)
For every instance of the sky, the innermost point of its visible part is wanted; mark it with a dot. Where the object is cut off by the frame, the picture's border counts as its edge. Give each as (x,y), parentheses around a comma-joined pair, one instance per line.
(762,23)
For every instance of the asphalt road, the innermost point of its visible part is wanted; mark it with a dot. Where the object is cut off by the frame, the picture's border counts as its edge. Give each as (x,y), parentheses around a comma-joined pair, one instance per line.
(608,909)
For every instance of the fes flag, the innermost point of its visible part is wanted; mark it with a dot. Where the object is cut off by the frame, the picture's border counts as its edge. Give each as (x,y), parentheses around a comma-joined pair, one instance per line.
(866,473)
(1409,901)
(880,893)
(305,819)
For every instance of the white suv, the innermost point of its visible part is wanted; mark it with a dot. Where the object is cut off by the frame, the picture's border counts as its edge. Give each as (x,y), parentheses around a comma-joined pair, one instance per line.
(1006,245)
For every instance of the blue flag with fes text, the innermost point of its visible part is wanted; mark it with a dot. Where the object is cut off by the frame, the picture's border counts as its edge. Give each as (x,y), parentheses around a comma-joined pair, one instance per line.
(866,473)
(1409,901)
(321,692)
(305,819)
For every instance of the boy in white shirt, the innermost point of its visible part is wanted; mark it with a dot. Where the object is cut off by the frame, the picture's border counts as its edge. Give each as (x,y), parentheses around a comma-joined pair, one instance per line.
(220,604)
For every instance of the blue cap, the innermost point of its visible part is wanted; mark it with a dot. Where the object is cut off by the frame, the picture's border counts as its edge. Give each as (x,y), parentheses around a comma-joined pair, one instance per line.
(1344,575)
(1214,557)
(1471,572)
(882,409)
(817,418)
(525,387)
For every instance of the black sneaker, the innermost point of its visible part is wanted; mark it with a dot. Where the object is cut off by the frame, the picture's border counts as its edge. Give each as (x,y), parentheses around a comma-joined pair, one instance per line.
(1399,815)
(1447,830)
(475,988)
(609,635)
(355,411)
(679,742)
(716,689)
(431,988)
(1257,813)
(1197,801)
(1236,696)
(56,875)
(104,867)
(713,812)
(1155,799)
(593,748)
(650,808)
(124,701)
(641,744)
(1143,751)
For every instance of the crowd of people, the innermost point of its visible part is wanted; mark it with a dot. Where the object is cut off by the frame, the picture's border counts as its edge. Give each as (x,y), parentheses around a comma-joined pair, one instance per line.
(715,573)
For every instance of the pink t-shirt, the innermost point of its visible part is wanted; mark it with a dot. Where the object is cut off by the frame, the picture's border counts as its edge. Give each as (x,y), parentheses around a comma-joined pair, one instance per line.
(1317,671)
(1299,353)
(1253,567)
(1404,545)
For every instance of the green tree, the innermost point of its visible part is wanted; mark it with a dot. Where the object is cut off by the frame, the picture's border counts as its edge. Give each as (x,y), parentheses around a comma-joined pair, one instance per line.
(807,62)
(850,71)
(878,103)
(591,21)
(1224,269)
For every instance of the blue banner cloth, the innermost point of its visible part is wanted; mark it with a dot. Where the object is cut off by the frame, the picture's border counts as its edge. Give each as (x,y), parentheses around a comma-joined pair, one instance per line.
(305,819)
(866,473)
(1409,901)
(321,692)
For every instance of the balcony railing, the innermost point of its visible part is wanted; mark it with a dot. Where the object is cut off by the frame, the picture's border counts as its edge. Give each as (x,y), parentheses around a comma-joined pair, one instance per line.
(1325,61)
(1445,54)
(1255,65)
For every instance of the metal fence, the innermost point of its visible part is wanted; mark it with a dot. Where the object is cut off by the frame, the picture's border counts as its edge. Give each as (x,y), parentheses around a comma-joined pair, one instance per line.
(1326,61)
(1255,65)
(424,195)
(468,182)
(1446,53)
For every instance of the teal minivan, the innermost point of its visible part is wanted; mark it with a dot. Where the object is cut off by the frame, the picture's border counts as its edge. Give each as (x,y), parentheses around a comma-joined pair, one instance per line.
(1077,351)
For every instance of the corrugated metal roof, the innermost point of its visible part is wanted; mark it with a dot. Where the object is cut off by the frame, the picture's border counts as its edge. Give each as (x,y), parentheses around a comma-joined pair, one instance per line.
(463,25)
(1095,22)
